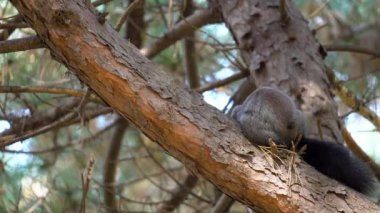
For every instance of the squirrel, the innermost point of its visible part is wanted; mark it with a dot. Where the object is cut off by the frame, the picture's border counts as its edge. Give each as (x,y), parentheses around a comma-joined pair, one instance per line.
(270,113)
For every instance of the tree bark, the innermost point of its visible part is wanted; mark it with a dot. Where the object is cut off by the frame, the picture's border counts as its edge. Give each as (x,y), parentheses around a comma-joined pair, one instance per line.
(201,137)
(279,49)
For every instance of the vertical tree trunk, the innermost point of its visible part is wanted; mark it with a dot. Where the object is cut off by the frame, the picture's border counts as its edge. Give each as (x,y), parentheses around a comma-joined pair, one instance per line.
(276,43)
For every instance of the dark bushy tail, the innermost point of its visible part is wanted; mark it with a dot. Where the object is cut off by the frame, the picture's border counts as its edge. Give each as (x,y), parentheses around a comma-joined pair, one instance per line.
(336,161)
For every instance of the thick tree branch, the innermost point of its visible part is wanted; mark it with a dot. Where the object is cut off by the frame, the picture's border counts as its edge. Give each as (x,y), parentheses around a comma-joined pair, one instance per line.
(110,166)
(20,44)
(135,25)
(6,33)
(191,68)
(198,135)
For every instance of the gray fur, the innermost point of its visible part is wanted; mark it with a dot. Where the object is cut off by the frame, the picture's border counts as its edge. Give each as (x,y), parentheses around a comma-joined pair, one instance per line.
(272,114)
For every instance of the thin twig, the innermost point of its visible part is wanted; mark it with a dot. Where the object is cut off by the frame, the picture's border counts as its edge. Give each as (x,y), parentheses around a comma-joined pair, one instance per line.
(128,11)
(86,179)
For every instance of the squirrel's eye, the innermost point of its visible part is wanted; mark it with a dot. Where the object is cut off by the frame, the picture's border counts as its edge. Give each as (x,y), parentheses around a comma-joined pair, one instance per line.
(290,125)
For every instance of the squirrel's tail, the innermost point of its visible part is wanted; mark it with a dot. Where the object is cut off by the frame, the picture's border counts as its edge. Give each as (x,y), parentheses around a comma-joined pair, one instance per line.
(336,161)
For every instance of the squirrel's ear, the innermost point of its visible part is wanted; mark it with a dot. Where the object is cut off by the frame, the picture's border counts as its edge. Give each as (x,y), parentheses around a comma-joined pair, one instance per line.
(235,114)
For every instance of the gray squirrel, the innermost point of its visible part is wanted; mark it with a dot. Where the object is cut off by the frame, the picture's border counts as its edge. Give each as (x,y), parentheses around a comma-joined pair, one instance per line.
(270,113)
